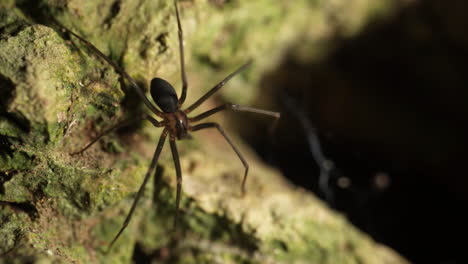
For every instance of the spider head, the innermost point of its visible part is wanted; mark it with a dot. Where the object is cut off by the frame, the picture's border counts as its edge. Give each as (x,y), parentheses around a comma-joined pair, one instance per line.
(164,95)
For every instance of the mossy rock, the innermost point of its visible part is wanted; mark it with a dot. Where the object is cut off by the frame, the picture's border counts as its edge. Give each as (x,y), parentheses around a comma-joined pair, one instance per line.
(56,95)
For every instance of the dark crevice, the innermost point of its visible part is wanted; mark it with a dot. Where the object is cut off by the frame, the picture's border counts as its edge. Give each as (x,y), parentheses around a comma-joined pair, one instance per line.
(133,107)
(160,254)
(34,10)
(238,237)
(38,191)
(6,92)
(82,201)
(25,207)
(113,12)
(5,145)
(18,120)
(162,39)
(12,29)
(5,176)
(139,256)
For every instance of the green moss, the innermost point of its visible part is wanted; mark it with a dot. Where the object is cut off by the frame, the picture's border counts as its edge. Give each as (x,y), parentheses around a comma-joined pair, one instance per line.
(15,160)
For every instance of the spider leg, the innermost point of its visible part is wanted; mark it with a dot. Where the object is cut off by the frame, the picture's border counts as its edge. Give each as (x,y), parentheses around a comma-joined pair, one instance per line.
(175,156)
(233,107)
(181,54)
(155,122)
(115,127)
(154,161)
(221,131)
(216,88)
(121,71)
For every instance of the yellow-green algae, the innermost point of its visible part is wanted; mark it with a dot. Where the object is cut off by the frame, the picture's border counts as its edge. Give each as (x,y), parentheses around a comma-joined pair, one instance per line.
(57,208)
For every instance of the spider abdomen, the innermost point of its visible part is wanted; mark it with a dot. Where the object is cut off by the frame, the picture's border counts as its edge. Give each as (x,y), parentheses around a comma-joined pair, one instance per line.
(164,95)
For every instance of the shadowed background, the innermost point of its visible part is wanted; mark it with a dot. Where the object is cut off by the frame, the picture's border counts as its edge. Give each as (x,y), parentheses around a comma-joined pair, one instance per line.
(390,107)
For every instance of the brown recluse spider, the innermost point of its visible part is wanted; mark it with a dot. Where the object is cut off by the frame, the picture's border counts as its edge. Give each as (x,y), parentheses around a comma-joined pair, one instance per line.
(175,121)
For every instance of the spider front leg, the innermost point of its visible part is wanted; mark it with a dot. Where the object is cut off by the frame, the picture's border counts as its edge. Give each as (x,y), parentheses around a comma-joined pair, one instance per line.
(140,91)
(233,107)
(182,59)
(221,131)
(154,161)
(216,88)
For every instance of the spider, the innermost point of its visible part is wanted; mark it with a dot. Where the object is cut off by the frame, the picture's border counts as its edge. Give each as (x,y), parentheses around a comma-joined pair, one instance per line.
(175,122)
